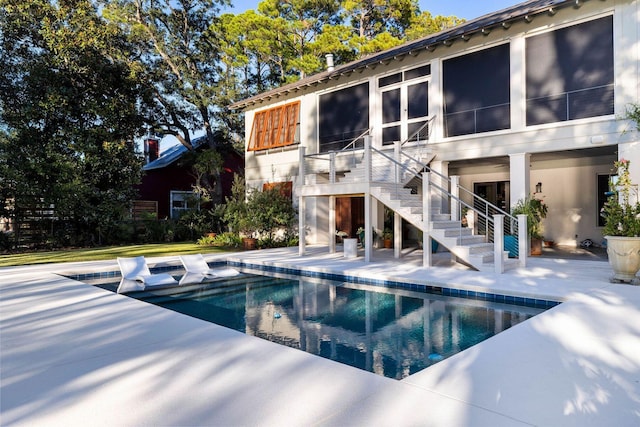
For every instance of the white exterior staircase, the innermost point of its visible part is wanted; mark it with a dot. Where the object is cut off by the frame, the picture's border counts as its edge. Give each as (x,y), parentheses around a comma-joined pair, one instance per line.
(390,188)
(401,179)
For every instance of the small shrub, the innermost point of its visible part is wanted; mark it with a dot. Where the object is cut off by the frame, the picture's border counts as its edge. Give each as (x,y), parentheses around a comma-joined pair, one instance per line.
(225,240)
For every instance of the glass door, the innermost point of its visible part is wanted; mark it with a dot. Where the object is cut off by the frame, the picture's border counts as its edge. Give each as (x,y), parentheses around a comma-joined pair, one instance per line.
(405,108)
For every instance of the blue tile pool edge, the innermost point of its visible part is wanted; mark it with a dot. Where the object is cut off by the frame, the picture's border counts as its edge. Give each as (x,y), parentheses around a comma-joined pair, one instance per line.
(386,283)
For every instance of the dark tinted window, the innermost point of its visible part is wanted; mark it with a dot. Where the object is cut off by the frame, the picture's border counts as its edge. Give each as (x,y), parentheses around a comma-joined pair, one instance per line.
(389,80)
(418,102)
(390,135)
(391,106)
(414,73)
(477,92)
(344,114)
(570,73)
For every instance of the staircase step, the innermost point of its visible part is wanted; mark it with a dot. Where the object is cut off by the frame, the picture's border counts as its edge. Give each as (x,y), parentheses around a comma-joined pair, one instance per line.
(437,216)
(446,225)
(453,232)
(480,248)
(482,258)
(470,239)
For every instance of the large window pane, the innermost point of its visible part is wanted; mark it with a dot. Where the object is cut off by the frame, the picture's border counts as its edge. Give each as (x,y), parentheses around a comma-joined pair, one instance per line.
(477,92)
(418,102)
(343,115)
(420,134)
(414,73)
(389,80)
(390,135)
(569,73)
(391,106)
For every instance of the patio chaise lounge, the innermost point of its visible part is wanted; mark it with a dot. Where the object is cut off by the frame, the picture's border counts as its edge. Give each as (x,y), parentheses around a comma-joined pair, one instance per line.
(197,270)
(136,275)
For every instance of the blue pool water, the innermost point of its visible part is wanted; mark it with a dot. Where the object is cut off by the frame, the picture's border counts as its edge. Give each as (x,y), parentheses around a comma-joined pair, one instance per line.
(391,332)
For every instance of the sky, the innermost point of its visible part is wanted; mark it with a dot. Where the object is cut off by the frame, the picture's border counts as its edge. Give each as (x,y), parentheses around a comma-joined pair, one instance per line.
(467,9)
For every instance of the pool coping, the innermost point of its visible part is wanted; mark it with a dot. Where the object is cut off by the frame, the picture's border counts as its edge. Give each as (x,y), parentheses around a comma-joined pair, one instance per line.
(442,289)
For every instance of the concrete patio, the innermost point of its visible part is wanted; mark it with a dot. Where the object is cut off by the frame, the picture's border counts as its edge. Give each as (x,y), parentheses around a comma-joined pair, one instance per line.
(73,354)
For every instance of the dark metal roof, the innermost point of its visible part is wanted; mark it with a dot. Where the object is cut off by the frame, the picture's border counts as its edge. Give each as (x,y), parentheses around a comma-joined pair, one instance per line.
(522,11)
(172,154)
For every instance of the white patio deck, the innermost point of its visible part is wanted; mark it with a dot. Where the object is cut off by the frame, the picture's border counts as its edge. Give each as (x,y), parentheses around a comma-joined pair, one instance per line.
(72,354)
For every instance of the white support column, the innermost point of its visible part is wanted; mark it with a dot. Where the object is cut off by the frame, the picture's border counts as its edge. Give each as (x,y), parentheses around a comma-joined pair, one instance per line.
(523,241)
(302,244)
(519,167)
(455,204)
(368,227)
(397,234)
(368,230)
(377,218)
(435,101)
(498,243)
(332,167)
(396,156)
(517,82)
(301,204)
(426,220)
(442,168)
(301,165)
(367,159)
(332,224)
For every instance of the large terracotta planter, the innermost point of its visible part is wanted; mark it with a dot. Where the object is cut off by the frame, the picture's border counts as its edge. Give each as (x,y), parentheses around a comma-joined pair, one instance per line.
(536,247)
(624,257)
(249,243)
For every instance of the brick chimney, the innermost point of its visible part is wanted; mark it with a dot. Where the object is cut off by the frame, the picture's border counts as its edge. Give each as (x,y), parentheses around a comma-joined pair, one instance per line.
(151,148)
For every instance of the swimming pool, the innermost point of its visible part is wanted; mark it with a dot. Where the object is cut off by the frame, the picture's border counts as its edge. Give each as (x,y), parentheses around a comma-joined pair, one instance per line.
(392,332)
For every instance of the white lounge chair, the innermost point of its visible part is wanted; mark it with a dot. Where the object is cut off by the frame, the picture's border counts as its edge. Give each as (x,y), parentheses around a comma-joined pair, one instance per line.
(197,270)
(136,275)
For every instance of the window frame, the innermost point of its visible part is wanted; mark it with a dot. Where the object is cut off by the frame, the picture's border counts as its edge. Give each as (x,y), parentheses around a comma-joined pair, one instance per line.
(184,196)
(275,127)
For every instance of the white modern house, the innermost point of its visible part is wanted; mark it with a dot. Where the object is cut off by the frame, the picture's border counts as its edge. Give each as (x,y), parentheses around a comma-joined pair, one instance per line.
(457,127)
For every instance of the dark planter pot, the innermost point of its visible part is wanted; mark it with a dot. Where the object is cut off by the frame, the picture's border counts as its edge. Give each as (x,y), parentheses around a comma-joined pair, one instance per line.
(249,243)
(388,243)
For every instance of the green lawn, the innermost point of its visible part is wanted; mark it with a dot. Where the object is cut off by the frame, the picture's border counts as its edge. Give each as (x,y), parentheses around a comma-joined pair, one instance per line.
(104,253)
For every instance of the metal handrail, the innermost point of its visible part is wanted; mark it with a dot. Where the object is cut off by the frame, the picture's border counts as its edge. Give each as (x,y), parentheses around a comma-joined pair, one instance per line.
(448,179)
(346,147)
(410,137)
(323,156)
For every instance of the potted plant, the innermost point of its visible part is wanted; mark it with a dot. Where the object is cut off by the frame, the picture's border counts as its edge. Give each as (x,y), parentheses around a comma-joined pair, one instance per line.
(387,238)
(535,210)
(622,225)
(248,225)
(360,234)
